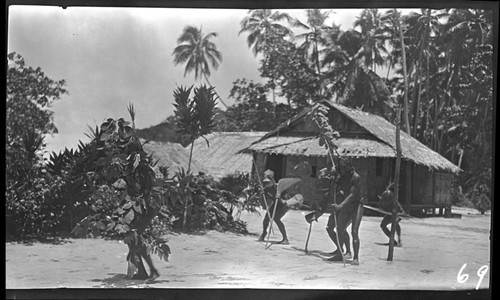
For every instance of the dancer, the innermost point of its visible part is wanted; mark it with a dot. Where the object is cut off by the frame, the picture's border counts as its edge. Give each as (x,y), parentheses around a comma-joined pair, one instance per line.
(350,210)
(274,205)
(386,203)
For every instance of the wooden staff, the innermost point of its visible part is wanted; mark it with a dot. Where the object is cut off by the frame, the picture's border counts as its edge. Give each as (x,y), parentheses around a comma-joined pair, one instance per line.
(272,219)
(263,191)
(308,235)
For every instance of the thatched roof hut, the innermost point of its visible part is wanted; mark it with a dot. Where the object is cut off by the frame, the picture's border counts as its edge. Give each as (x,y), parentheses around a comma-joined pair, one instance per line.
(220,157)
(171,155)
(369,140)
(381,143)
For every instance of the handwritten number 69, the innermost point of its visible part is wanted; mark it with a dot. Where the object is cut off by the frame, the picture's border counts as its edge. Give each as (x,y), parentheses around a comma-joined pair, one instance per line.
(462,278)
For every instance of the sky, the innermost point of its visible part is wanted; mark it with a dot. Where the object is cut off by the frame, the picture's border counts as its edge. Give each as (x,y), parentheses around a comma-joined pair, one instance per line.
(110,57)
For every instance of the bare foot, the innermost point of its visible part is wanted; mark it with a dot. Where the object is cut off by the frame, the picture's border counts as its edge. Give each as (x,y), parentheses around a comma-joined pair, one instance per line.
(284,242)
(355,262)
(335,258)
(153,277)
(336,252)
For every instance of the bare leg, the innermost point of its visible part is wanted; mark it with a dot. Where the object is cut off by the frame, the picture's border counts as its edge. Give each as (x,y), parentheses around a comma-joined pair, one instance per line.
(265,224)
(356,222)
(383,225)
(330,229)
(342,223)
(149,261)
(134,258)
(281,211)
(282,229)
(347,243)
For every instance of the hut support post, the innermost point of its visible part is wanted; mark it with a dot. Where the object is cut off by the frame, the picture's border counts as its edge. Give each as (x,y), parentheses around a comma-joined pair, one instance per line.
(396,186)
(408,181)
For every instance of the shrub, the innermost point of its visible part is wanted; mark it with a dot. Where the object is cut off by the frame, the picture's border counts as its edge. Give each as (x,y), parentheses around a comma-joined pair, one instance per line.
(211,208)
(480,198)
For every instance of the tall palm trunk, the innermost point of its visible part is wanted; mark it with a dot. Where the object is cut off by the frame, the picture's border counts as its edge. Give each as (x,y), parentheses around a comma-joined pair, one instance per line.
(434,124)
(416,114)
(218,97)
(405,72)
(427,79)
(396,185)
(408,179)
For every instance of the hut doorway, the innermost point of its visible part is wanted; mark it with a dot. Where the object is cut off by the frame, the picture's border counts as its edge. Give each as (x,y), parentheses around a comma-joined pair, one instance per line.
(276,163)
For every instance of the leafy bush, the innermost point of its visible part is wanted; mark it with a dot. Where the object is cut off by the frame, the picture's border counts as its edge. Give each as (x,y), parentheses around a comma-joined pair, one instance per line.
(32,208)
(31,195)
(210,206)
(480,198)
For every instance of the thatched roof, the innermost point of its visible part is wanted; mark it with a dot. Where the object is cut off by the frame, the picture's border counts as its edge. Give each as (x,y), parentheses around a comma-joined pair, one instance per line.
(309,146)
(221,157)
(171,155)
(382,142)
(411,149)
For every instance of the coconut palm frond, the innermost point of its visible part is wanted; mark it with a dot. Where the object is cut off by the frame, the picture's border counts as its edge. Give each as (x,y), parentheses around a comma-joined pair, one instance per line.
(193,50)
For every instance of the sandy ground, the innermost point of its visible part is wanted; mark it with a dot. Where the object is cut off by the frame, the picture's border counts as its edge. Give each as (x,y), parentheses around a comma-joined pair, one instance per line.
(434,251)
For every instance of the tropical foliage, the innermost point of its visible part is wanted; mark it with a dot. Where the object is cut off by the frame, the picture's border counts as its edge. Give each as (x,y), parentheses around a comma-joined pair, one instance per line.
(198,52)
(109,186)
(437,64)
(28,190)
(260,25)
(252,111)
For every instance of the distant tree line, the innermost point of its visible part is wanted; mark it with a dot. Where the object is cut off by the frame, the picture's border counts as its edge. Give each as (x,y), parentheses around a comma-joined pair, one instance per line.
(436,64)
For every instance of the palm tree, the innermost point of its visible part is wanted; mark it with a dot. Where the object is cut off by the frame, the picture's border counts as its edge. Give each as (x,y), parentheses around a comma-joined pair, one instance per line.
(392,23)
(314,35)
(421,27)
(357,85)
(372,37)
(466,29)
(198,53)
(261,24)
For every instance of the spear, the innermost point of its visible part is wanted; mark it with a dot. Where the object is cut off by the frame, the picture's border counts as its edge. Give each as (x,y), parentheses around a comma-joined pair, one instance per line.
(263,193)
(272,220)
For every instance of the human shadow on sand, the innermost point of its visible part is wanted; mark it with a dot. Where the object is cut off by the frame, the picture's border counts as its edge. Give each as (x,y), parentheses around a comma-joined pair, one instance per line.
(118,280)
(320,254)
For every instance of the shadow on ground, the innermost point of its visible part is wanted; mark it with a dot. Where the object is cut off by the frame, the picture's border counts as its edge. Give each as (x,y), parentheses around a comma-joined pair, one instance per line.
(30,241)
(119,280)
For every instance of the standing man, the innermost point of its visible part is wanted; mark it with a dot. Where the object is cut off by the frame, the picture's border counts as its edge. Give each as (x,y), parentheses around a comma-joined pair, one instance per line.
(350,210)
(386,203)
(323,197)
(274,204)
